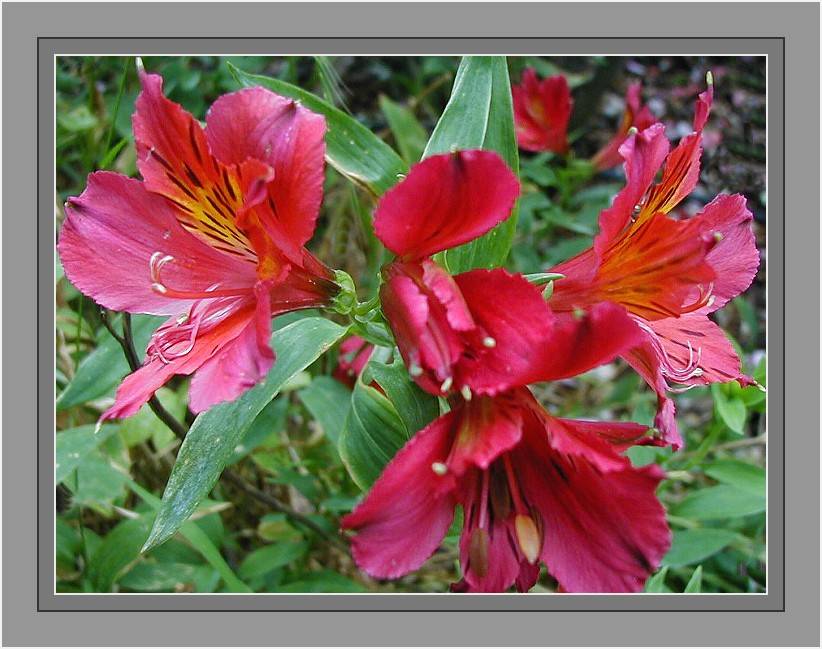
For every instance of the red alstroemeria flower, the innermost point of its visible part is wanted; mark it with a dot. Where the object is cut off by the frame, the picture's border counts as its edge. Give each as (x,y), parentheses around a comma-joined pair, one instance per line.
(533,488)
(636,115)
(670,274)
(355,352)
(212,237)
(482,331)
(542,110)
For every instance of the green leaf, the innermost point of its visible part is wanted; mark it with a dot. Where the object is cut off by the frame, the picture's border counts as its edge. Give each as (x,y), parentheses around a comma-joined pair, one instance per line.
(214,435)
(118,550)
(408,133)
(144,423)
(415,407)
(480,114)
(328,401)
(695,583)
(192,532)
(351,148)
(656,584)
(742,475)
(722,501)
(73,446)
(324,581)
(168,577)
(270,557)
(105,367)
(372,435)
(695,545)
(731,409)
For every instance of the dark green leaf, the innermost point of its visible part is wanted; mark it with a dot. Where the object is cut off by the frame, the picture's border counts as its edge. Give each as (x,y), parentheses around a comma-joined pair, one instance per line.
(415,407)
(325,581)
(742,475)
(100,371)
(214,435)
(351,148)
(408,133)
(119,549)
(168,577)
(692,546)
(72,447)
(722,501)
(270,557)
(372,435)
(730,408)
(328,401)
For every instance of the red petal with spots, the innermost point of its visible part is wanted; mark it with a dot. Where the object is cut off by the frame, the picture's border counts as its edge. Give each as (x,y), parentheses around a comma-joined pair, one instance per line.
(446,200)
(112,231)
(256,123)
(542,110)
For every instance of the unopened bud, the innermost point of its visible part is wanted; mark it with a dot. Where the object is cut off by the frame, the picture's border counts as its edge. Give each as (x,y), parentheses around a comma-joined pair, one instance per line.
(528,537)
(478,552)
(439,468)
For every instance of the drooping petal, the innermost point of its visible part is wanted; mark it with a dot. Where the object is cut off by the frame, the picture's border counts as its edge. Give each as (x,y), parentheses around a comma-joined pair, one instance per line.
(580,342)
(256,123)
(512,319)
(408,510)
(354,355)
(604,531)
(112,232)
(598,441)
(500,565)
(644,154)
(137,388)
(446,200)
(241,363)
(542,110)
(735,258)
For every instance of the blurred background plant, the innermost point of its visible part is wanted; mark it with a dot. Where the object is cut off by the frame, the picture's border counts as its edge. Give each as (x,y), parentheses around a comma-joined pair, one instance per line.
(274,527)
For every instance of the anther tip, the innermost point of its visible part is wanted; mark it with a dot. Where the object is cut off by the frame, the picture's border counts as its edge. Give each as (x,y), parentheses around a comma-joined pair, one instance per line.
(439,468)
(709,78)
(138,62)
(489,342)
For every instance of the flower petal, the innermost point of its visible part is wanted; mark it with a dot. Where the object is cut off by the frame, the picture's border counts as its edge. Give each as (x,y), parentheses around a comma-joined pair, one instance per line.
(735,259)
(512,319)
(446,200)
(542,110)
(408,510)
(137,388)
(604,531)
(501,565)
(695,334)
(486,428)
(112,231)
(635,115)
(644,154)
(256,123)
(240,364)
(580,342)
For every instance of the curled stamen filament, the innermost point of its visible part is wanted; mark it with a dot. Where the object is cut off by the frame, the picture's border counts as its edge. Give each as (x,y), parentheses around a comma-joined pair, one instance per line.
(156,263)
(706,298)
(669,370)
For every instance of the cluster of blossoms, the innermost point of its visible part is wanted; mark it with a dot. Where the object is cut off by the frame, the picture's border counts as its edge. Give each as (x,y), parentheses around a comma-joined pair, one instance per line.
(214,237)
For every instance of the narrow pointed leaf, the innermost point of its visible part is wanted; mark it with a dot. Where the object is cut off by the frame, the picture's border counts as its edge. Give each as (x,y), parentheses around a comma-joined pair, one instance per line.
(211,441)
(351,148)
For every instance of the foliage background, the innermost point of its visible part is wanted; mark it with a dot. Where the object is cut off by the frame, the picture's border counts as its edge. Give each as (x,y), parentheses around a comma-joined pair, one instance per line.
(715,491)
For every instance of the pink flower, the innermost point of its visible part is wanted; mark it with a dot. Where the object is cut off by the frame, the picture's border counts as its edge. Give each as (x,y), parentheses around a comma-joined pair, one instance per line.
(542,110)
(355,353)
(636,115)
(533,488)
(213,236)
(670,274)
